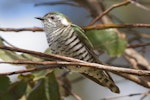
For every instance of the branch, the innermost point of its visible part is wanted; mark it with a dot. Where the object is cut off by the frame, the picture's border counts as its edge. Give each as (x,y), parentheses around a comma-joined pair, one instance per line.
(84,64)
(136,3)
(139,45)
(136,79)
(39,54)
(56,3)
(129,95)
(105,26)
(126,2)
(134,58)
(89,27)
(34,29)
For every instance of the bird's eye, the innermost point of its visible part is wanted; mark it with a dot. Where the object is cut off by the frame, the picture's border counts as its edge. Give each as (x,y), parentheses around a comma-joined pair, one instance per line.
(52,17)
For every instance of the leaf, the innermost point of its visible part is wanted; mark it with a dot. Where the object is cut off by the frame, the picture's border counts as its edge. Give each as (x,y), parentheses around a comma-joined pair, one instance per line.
(39,74)
(34,58)
(9,55)
(26,77)
(45,89)
(15,91)
(31,57)
(107,40)
(4,84)
(52,87)
(38,92)
(48,51)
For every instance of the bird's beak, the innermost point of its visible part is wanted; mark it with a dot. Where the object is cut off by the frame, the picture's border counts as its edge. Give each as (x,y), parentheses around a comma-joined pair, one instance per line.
(39,18)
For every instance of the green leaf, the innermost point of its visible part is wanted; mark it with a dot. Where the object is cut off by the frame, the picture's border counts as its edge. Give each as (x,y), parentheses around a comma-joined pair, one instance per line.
(34,58)
(15,91)
(52,87)
(39,74)
(38,92)
(48,51)
(31,57)
(9,55)
(4,84)
(26,78)
(107,40)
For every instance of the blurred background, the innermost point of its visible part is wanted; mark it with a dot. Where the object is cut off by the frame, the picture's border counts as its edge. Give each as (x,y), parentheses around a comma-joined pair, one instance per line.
(21,13)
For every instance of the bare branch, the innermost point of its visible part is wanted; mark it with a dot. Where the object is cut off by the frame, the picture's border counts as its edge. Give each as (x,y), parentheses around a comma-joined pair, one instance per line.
(57,3)
(34,29)
(144,35)
(145,95)
(129,95)
(126,2)
(75,96)
(84,64)
(105,26)
(139,5)
(39,54)
(139,45)
(132,55)
(135,79)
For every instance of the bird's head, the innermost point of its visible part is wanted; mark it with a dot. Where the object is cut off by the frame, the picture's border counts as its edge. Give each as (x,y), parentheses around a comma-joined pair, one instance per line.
(54,20)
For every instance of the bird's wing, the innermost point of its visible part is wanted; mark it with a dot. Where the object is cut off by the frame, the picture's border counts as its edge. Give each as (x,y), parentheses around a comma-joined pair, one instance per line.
(88,45)
(84,39)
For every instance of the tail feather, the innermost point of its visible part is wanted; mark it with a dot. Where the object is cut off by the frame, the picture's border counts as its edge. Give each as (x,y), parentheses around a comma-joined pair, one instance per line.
(99,77)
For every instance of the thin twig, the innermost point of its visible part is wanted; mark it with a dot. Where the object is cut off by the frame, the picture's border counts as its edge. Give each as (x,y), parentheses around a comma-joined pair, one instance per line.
(139,45)
(75,95)
(126,2)
(105,26)
(129,95)
(34,29)
(57,3)
(40,54)
(139,5)
(85,64)
(135,79)
(145,95)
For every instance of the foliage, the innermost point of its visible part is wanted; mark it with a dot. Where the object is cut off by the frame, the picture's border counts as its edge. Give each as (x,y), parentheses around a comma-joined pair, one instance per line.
(42,89)
(39,85)
(107,40)
(11,91)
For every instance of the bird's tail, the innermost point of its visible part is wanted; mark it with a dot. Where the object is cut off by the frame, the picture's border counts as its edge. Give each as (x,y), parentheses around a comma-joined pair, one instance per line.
(99,76)
(102,78)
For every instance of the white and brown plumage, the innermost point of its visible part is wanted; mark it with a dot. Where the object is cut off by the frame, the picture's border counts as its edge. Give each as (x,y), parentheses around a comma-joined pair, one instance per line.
(67,39)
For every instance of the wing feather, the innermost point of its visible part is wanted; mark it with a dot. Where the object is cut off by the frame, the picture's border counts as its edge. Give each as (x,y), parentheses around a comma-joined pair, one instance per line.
(80,33)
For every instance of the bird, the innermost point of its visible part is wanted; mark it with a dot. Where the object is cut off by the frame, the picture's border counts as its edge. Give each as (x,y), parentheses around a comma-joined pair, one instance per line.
(67,39)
